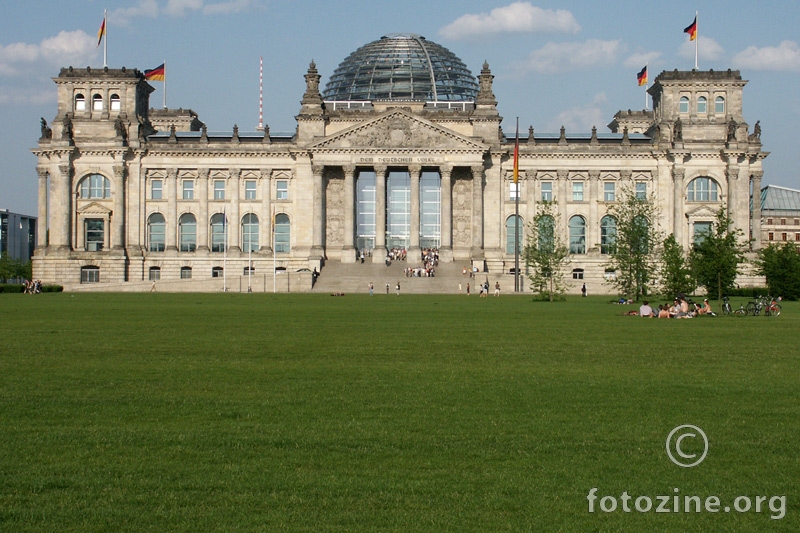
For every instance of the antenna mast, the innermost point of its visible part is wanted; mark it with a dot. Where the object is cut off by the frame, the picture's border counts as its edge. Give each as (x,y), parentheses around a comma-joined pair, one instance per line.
(261,93)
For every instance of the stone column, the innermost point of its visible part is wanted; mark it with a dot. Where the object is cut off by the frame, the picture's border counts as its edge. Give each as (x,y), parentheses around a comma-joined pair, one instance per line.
(414,249)
(563,197)
(348,250)
(202,212)
(266,211)
(318,215)
(172,210)
(118,218)
(446,206)
(235,219)
(41,220)
(61,226)
(380,213)
(477,211)
(755,224)
(593,224)
(677,204)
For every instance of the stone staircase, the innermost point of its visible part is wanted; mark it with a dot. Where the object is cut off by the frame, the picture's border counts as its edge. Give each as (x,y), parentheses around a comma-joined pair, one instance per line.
(354,278)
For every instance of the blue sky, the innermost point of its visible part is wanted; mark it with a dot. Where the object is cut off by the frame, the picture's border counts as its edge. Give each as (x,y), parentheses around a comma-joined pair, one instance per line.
(555,62)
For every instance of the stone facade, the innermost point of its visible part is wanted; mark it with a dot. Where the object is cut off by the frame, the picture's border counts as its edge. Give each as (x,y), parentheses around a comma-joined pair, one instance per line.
(126,203)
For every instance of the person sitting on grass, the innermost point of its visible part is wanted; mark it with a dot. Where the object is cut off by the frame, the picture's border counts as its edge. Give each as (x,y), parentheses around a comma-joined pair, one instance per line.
(706,309)
(645,310)
(663,311)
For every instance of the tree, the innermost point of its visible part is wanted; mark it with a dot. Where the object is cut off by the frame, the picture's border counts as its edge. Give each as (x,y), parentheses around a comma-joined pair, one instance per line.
(8,268)
(634,253)
(545,253)
(780,264)
(716,255)
(676,276)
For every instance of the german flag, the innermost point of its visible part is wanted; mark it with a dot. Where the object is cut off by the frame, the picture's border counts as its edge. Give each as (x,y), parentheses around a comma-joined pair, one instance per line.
(101,32)
(156,74)
(642,76)
(691,29)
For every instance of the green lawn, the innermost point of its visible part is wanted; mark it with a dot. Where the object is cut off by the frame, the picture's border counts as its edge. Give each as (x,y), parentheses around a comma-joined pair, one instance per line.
(237,412)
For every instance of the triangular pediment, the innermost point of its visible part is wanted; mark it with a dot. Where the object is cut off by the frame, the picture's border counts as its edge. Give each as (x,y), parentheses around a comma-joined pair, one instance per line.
(94,208)
(398,129)
(702,211)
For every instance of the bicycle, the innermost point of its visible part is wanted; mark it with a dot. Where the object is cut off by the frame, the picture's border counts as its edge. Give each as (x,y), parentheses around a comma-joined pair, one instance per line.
(773,308)
(754,308)
(726,308)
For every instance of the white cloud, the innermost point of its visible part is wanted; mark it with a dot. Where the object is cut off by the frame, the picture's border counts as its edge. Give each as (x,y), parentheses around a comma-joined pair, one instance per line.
(226,8)
(178,8)
(563,57)
(516,17)
(785,56)
(68,47)
(640,59)
(707,49)
(124,16)
(581,119)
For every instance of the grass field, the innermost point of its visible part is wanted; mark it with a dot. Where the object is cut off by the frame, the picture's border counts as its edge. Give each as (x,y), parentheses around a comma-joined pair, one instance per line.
(236,412)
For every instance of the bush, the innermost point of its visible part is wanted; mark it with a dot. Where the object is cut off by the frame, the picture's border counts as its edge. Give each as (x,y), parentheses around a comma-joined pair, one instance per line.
(12,287)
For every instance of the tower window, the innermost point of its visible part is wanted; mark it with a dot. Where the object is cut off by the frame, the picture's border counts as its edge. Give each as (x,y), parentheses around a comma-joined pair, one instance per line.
(702,105)
(719,105)
(116,103)
(97,102)
(80,102)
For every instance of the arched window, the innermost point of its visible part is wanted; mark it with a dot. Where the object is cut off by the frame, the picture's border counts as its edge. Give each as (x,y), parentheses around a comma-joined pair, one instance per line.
(97,102)
(156,232)
(608,234)
(577,273)
(719,105)
(115,102)
(187,229)
(684,104)
(577,235)
(80,102)
(219,233)
(512,223)
(95,187)
(703,189)
(186,272)
(702,105)
(250,233)
(282,233)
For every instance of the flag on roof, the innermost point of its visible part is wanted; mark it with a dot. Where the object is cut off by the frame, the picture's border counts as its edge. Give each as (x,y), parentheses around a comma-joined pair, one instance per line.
(691,29)
(101,32)
(642,76)
(156,74)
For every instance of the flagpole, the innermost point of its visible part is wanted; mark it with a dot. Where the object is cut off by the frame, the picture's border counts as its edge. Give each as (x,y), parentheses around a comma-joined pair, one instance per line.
(516,209)
(105,35)
(696,38)
(274,264)
(224,249)
(165,84)
(250,257)
(646,84)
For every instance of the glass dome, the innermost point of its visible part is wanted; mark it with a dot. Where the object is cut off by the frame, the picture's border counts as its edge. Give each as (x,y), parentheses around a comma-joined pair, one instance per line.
(402,66)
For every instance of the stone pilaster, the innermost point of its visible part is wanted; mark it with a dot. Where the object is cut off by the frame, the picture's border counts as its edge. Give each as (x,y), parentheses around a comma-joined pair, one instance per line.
(172,209)
(755,223)
(202,215)
(593,224)
(61,225)
(41,221)
(266,211)
(235,218)
(446,206)
(119,216)
(677,203)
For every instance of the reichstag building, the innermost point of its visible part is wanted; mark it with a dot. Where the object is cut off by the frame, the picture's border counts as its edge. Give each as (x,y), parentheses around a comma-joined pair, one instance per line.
(402,149)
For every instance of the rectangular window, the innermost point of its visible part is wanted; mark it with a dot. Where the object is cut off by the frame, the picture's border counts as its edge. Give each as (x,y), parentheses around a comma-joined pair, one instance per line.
(250,190)
(188,189)
(769,221)
(513,190)
(156,189)
(547,191)
(282,190)
(609,191)
(641,190)
(90,274)
(701,231)
(577,191)
(186,272)
(797,222)
(219,189)
(94,234)
(784,237)
(797,236)
(783,222)
(155,273)
(771,236)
